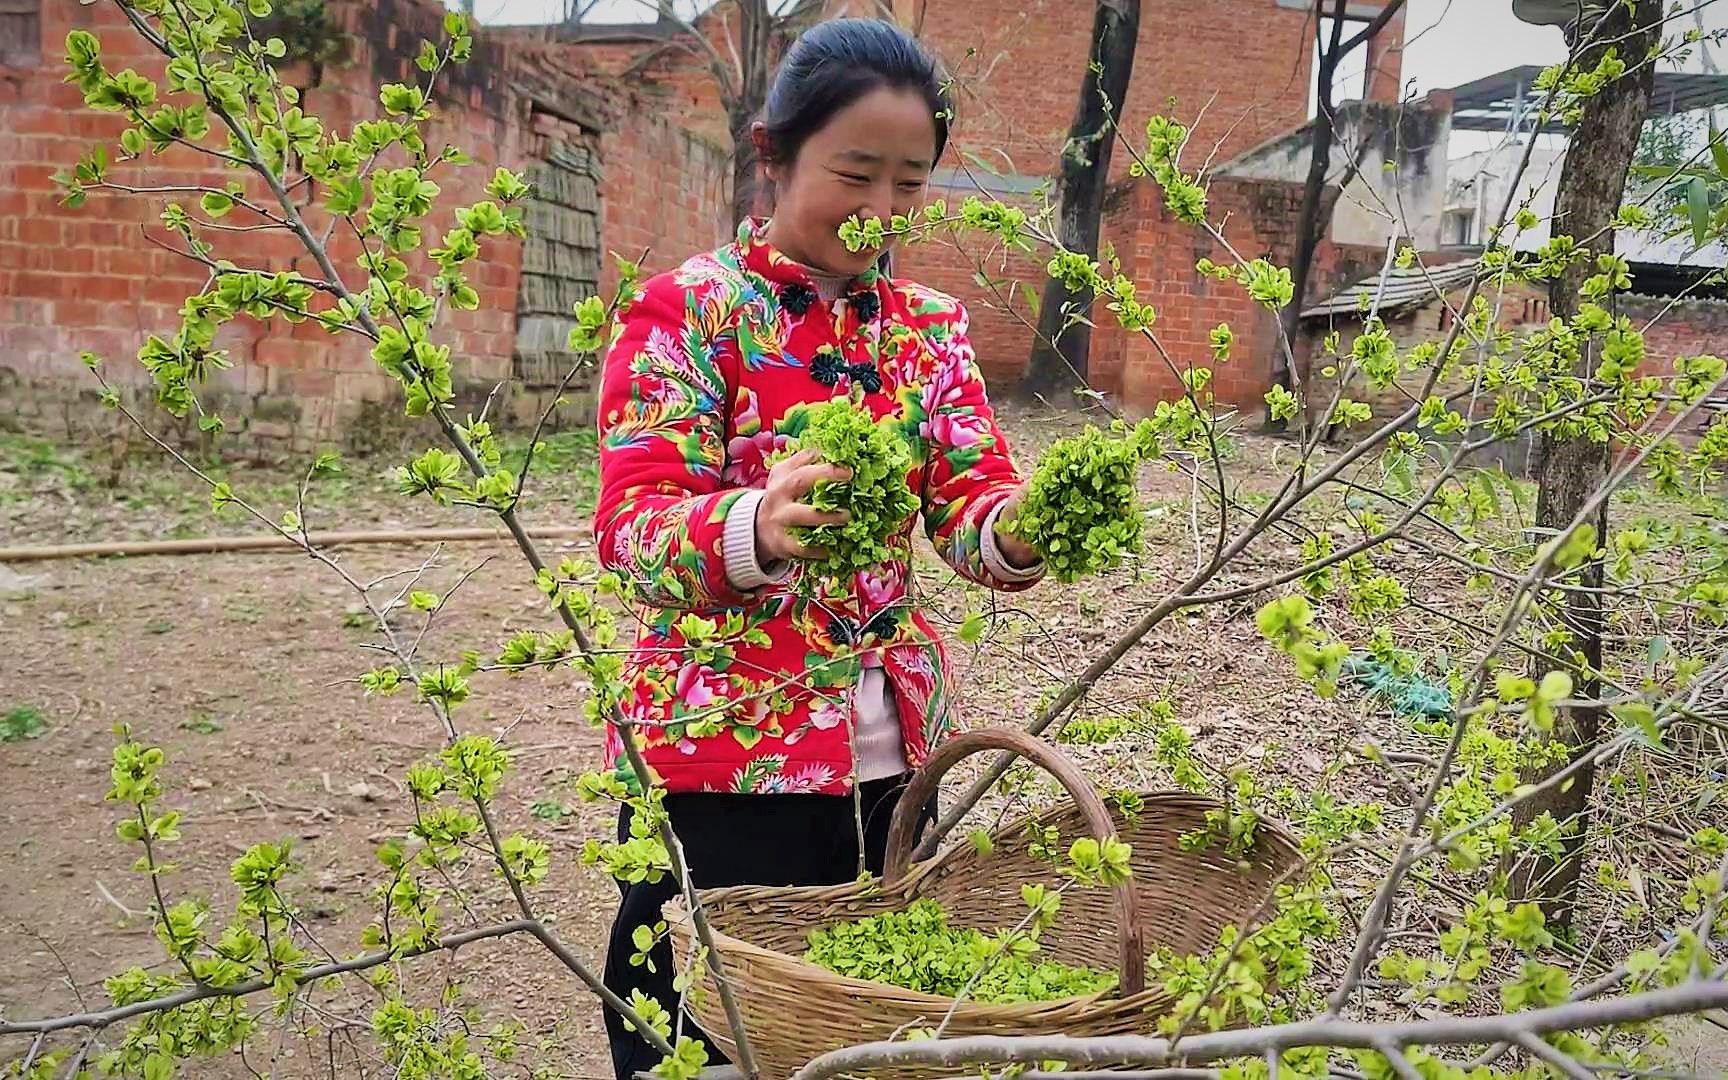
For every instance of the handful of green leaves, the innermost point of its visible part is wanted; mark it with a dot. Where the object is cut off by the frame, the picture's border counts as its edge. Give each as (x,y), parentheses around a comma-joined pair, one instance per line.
(877,496)
(918,950)
(1080,511)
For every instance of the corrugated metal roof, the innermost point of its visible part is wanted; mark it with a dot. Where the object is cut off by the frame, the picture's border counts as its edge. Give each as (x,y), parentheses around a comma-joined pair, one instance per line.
(1407,288)
(1505,100)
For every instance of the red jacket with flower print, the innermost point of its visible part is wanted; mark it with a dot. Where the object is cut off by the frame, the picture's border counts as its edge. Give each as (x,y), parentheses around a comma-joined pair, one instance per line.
(714,362)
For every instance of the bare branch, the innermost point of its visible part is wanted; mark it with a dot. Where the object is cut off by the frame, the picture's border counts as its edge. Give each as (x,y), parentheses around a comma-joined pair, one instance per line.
(107,1017)
(1691,997)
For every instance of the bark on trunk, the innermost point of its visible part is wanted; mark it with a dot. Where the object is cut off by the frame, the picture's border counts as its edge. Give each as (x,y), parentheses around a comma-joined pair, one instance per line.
(1569,471)
(745,188)
(1080,196)
(1308,222)
(1315,214)
(755,40)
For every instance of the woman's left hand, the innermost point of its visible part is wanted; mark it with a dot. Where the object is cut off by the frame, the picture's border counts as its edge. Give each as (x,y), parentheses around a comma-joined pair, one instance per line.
(1019,554)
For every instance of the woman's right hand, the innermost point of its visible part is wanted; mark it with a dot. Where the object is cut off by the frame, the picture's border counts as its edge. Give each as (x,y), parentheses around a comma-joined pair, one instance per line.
(783,508)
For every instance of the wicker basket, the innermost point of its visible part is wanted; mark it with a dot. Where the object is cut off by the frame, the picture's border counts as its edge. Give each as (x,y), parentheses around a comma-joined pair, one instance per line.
(794,1010)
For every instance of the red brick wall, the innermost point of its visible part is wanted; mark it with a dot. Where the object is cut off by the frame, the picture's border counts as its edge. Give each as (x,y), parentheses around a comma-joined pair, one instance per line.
(667,78)
(74,280)
(1685,328)
(1385,60)
(1682,328)
(1692,327)
(1017,69)
(88,278)
(1238,71)
(666,193)
(1260,223)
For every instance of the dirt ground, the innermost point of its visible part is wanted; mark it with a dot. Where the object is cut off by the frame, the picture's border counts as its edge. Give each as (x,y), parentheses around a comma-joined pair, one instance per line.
(243,668)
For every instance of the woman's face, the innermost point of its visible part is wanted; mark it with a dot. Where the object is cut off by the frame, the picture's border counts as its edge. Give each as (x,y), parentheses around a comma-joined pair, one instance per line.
(872,158)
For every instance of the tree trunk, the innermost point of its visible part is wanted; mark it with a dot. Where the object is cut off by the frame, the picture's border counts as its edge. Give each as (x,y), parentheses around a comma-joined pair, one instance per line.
(755,41)
(1080,195)
(1308,222)
(745,188)
(1569,471)
(1315,214)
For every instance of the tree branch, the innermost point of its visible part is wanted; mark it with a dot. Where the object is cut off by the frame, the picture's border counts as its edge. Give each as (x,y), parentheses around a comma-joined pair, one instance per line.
(1691,997)
(106,1017)
(1375,25)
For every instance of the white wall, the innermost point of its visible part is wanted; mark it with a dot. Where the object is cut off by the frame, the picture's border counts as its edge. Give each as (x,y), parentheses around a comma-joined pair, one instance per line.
(1479,182)
(1379,203)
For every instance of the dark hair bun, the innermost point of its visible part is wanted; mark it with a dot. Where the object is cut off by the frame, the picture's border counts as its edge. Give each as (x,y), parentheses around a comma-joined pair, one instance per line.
(833,64)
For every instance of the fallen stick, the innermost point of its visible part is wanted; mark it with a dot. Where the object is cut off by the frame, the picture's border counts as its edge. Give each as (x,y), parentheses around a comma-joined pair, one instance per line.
(207,544)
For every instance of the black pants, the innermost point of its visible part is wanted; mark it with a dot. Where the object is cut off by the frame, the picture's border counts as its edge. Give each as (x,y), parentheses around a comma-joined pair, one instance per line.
(740,840)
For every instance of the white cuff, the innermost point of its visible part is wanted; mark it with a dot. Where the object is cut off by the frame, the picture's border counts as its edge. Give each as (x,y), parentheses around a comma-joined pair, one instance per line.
(738,544)
(995,563)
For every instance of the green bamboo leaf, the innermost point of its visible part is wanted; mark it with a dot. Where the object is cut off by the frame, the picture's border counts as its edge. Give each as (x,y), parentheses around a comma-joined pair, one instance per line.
(1034,302)
(981,163)
(1698,210)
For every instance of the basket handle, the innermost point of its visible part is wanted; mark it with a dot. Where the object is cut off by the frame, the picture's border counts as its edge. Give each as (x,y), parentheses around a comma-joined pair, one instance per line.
(1131,964)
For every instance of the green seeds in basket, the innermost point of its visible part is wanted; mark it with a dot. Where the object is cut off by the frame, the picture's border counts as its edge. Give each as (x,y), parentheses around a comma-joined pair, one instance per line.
(877,496)
(1079,512)
(918,950)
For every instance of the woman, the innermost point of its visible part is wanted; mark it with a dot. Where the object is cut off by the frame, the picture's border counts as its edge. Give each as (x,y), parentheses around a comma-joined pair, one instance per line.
(790,694)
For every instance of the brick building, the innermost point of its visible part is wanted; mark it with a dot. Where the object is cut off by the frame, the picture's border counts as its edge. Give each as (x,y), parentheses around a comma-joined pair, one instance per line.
(1421,304)
(612,173)
(1237,71)
(624,134)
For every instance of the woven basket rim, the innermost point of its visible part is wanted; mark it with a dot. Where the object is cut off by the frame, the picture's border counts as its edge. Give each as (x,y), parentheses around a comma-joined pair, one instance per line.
(1272,831)
(938,1003)
(1273,837)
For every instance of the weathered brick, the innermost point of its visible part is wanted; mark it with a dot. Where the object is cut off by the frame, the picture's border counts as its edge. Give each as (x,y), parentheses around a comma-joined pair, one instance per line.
(654,182)
(270,429)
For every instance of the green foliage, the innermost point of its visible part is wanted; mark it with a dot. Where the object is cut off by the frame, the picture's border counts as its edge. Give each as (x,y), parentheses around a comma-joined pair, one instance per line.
(445,685)
(1254,979)
(152,1045)
(384,185)
(1269,285)
(304,29)
(876,497)
(418,1044)
(222,64)
(1138,723)
(1174,750)
(1080,511)
(1281,404)
(1236,825)
(1221,339)
(1102,863)
(525,859)
(1288,623)
(20,723)
(157,1039)
(642,857)
(918,949)
(1184,197)
(476,764)
(688,1059)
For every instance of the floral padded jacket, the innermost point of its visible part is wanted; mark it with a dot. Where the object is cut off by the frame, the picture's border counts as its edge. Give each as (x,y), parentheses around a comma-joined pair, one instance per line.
(753,691)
